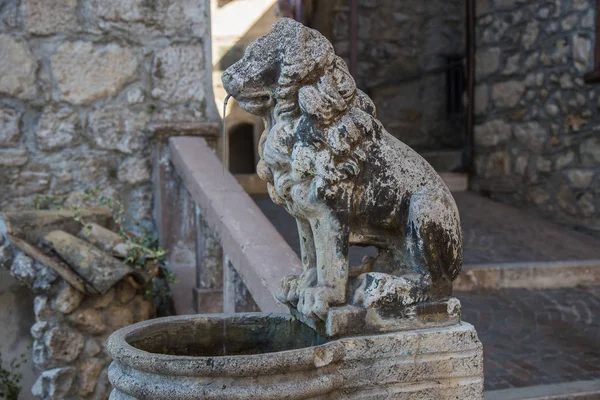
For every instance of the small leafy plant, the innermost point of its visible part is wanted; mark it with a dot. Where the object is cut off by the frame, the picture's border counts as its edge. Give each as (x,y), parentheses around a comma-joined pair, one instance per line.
(143,250)
(10,379)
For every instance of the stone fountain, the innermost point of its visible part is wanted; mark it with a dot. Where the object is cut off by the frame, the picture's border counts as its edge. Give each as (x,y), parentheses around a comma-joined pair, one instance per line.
(386,329)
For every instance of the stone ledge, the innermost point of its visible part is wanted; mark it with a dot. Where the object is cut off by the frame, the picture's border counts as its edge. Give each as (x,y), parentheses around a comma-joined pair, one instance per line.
(529,275)
(352,320)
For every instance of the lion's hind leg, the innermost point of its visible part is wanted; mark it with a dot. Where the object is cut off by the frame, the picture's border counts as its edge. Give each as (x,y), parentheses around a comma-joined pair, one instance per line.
(432,243)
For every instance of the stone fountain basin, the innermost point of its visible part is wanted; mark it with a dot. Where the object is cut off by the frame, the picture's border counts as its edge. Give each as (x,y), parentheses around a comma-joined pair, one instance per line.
(273,356)
(218,356)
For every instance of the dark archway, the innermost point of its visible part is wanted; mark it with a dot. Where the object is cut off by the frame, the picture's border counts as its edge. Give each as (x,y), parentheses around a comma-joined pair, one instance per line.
(241,149)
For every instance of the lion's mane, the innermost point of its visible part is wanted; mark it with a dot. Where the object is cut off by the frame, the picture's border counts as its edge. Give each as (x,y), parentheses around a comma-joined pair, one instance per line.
(323,126)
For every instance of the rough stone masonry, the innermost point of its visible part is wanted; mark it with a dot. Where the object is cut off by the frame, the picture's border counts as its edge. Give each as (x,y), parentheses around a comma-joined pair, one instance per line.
(80,82)
(537,141)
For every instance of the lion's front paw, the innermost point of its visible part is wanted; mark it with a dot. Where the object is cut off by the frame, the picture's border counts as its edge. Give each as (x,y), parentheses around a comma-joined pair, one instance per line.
(292,286)
(316,301)
(287,288)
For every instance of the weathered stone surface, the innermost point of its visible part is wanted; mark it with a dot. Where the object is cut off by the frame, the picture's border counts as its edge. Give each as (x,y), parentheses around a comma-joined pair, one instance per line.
(10,130)
(85,73)
(532,135)
(512,64)
(42,309)
(582,52)
(586,204)
(507,94)
(119,316)
(590,149)
(492,133)
(68,299)
(538,195)
(35,178)
(89,371)
(18,66)
(89,320)
(6,256)
(63,343)
(115,128)
(134,171)
(54,384)
(91,348)
(580,178)
(103,300)
(44,278)
(125,292)
(273,71)
(566,200)
(13,158)
(58,128)
(178,73)
(144,18)
(143,308)
(452,356)
(530,35)
(487,62)
(38,329)
(481,99)
(497,164)
(43,17)
(22,268)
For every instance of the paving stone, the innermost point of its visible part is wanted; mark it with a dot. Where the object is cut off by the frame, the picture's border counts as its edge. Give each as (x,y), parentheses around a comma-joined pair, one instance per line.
(535,337)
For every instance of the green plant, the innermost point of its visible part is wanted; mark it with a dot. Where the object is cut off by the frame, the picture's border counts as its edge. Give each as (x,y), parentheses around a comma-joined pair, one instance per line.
(10,379)
(143,250)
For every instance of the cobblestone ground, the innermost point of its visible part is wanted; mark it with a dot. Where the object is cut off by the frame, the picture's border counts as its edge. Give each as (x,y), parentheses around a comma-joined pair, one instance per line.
(536,337)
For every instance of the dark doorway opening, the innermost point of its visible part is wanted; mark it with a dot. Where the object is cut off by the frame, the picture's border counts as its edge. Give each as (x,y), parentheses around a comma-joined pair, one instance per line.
(241,149)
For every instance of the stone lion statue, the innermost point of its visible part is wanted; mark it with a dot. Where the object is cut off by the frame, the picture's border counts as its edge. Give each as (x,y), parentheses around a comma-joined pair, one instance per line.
(347,181)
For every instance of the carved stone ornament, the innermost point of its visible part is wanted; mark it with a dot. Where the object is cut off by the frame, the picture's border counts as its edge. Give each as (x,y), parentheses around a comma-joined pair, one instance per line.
(348,182)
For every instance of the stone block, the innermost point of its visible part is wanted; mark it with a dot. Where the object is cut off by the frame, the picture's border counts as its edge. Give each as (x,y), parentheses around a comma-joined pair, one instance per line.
(57,128)
(134,171)
(89,320)
(63,344)
(532,135)
(10,130)
(178,73)
(116,128)
(144,19)
(54,384)
(68,299)
(582,53)
(85,73)
(487,62)
(119,316)
(88,375)
(46,17)
(18,66)
(507,94)
(492,133)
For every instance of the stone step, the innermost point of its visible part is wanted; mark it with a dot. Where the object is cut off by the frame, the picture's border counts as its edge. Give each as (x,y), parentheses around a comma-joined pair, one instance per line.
(580,390)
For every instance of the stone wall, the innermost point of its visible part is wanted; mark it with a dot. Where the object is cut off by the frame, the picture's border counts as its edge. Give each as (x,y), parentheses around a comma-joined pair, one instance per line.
(71,329)
(81,80)
(537,141)
(404,39)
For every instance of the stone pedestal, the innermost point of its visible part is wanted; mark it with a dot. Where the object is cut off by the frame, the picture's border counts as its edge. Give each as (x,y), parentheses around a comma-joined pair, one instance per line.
(274,356)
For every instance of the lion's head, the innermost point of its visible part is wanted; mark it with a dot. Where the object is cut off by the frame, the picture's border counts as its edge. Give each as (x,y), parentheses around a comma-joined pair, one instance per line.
(293,79)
